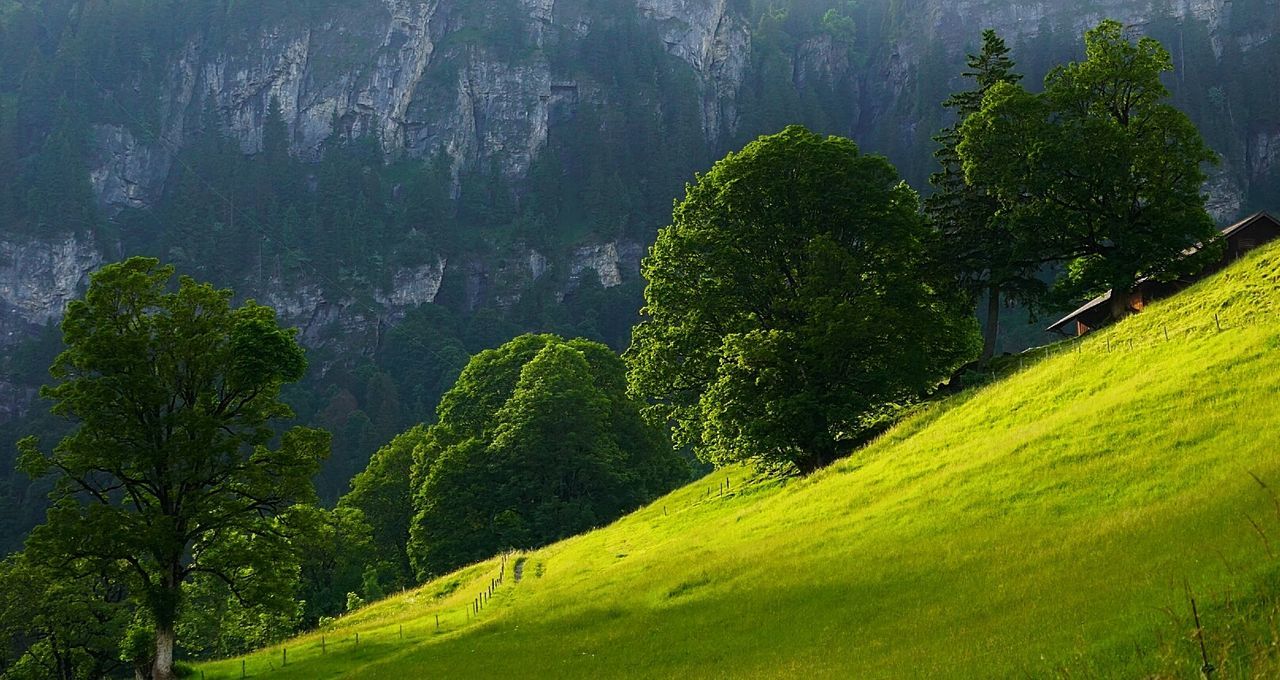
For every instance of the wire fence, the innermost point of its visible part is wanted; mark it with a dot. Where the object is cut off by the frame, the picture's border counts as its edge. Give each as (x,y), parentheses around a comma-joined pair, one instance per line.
(374,640)
(1143,334)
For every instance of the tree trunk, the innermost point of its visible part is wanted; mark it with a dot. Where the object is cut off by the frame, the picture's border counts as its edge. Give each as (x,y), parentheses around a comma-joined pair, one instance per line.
(807,465)
(162,667)
(991,331)
(817,458)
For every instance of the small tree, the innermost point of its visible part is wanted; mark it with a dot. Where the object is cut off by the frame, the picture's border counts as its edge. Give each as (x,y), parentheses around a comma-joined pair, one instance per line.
(169,469)
(383,494)
(1099,165)
(336,546)
(989,254)
(790,301)
(537,441)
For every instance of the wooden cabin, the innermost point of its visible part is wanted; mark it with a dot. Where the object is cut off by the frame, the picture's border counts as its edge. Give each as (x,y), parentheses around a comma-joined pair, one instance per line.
(1240,238)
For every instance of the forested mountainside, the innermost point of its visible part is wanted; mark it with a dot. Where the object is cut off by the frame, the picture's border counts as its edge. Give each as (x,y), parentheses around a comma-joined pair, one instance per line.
(410,182)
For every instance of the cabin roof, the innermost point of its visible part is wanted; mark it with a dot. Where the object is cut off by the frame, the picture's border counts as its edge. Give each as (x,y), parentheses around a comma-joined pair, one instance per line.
(1105,298)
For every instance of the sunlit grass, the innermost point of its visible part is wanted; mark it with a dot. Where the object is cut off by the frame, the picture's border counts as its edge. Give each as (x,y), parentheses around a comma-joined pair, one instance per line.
(1044,524)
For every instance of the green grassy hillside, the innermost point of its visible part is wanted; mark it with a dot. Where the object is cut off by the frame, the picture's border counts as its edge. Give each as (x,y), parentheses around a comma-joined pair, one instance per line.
(1042,525)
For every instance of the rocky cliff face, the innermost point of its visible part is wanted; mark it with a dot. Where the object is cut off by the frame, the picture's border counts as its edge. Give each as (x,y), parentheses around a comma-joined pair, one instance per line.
(341,321)
(37,280)
(422,78)
(716,42)
(414,75)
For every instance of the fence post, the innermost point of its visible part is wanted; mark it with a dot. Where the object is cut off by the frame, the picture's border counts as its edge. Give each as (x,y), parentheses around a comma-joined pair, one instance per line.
(322,649)
(242,668)
(402,631)
(437,622)
(1207,669)
(284,656)
(1217,322)
(357,640)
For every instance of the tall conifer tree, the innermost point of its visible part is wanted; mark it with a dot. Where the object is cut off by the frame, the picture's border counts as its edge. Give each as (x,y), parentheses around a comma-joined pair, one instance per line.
(987,253)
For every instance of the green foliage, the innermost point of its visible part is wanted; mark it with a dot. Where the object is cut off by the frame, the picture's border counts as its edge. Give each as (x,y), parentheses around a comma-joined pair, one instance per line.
(839,26)
(536,441)
(791,299)
(60,619)
(986,253)
(25,364)
(383,494)
(215,623)
(170,468)
(370,586)
(1105,172)
(426,352)
(335,548)
(59,198)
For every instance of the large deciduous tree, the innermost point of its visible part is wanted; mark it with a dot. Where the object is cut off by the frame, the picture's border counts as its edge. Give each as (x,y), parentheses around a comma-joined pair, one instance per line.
(1099,165)
(991,256)
(790,301)
(537,441)
(171,468)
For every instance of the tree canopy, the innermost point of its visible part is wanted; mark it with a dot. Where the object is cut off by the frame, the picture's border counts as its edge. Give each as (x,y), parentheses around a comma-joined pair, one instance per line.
(1099,165)
(789,302)
(171,468)
(538,440)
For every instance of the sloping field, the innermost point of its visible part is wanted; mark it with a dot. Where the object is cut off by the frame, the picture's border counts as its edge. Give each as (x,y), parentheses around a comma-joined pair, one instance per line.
(1047,524)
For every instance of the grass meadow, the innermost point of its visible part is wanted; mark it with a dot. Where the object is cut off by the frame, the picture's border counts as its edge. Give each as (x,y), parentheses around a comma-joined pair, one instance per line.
(1048,524)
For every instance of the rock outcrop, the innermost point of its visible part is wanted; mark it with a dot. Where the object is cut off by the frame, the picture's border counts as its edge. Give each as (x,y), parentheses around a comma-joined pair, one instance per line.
(412,74)
(716,42)
(38,277)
